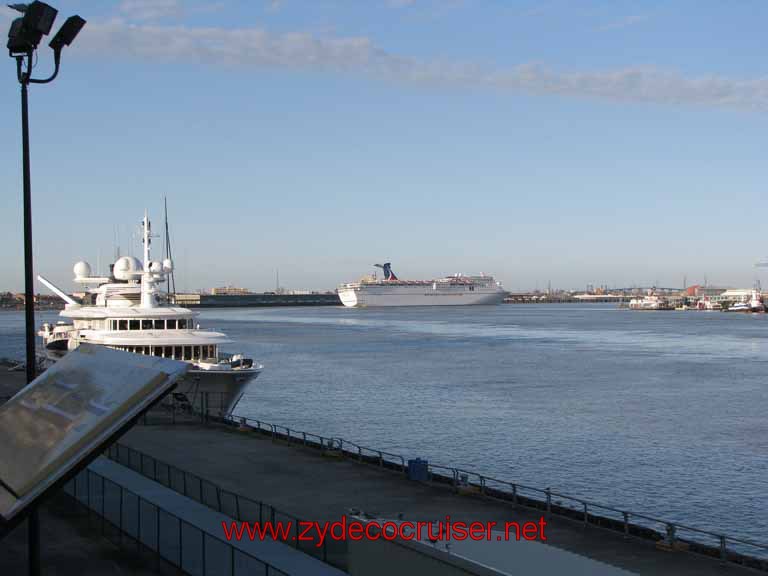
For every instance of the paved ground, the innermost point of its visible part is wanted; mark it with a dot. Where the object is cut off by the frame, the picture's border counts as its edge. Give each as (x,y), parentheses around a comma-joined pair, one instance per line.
(302,482)
(10,382)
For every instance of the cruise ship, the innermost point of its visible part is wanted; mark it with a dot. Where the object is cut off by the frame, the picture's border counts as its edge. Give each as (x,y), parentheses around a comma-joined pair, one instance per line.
(127,311)
(456,290)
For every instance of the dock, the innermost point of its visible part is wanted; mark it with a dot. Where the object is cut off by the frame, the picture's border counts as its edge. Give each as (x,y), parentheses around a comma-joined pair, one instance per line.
(314,485)
(255,300)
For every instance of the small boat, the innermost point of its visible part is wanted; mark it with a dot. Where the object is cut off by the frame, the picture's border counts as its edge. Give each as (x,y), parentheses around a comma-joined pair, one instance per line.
(707,304)
(739,306)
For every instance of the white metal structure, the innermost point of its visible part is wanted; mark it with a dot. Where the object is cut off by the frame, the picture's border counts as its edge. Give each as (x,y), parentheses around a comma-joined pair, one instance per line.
(649,302)
(126,311)
(457,290)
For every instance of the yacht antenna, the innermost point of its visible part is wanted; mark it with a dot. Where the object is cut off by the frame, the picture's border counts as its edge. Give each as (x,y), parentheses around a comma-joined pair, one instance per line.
(171,279)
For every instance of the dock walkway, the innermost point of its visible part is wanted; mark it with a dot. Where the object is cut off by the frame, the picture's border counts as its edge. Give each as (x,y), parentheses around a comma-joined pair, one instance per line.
(303,482)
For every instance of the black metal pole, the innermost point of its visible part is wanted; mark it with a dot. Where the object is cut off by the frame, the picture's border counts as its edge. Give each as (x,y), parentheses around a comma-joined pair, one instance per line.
(29,286)
(33,521)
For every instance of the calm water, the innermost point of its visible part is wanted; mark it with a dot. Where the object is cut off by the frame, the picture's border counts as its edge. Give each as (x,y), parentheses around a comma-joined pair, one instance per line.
(664,413)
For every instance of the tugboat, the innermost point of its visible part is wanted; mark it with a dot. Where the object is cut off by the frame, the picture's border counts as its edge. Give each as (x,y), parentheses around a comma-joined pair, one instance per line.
(127,311)
(756,304)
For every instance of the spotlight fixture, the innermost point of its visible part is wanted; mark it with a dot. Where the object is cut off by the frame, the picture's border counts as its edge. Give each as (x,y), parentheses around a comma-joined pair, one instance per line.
(67,32)
(26,32)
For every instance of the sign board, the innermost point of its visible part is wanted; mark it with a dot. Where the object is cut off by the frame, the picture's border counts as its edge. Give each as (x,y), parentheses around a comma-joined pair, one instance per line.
(68,413)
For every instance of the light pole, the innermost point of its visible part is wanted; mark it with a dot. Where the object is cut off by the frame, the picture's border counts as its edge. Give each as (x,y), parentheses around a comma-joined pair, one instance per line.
(23,37)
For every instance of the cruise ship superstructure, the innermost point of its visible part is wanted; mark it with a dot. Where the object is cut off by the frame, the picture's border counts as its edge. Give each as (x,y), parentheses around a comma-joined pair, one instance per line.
(127,311)
(456,290)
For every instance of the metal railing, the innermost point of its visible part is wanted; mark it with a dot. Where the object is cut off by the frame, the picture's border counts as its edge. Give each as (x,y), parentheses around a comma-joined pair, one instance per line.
(674,535)
(234,505)
(152,529)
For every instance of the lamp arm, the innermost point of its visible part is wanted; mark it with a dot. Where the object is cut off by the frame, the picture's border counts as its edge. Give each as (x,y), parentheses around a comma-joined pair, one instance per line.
(57,62)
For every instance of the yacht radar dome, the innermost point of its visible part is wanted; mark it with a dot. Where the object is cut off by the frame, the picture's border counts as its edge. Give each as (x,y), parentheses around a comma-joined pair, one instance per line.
(167,265)
(82,270)
(127,268)
(155,267)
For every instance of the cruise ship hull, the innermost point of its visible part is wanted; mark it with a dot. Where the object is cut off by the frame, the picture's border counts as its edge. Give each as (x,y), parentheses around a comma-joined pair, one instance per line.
(415,296)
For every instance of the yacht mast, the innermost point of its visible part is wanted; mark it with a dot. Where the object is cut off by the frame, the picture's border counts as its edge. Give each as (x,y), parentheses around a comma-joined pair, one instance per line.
(147,296)
(170,286)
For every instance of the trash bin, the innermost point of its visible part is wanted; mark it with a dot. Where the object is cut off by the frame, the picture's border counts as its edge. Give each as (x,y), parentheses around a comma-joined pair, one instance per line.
(418,470)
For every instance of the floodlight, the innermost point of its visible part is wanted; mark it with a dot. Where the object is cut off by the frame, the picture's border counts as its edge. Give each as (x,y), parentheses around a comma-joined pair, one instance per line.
(67,33)
(39,17)
(26,32)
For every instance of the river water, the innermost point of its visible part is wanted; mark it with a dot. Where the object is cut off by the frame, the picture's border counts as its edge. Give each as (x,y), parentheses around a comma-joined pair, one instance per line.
(658,412)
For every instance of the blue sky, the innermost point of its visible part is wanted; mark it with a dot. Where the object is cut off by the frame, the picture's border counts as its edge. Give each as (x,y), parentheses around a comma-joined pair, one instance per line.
(609,142)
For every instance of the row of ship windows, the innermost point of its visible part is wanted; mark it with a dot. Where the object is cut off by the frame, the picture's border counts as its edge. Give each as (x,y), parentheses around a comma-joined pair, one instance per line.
(175,352)
(146,324)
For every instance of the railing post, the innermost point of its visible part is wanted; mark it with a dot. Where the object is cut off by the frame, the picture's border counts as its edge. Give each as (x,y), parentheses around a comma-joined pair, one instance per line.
(723,549)
(138,523)
(586,515)
(671,534)
(626,524)
(202,534)
(514,494)
(549,502)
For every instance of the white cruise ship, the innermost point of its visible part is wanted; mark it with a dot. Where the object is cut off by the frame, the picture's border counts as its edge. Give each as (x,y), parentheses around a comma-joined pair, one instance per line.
(127,311)
(457,290)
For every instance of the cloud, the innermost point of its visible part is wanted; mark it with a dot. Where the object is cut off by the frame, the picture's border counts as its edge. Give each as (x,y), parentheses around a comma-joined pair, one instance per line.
(257,47)
(149,10)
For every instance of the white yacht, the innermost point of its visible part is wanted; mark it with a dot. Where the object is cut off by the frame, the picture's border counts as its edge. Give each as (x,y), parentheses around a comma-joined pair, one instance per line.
(454,290)
(127,311)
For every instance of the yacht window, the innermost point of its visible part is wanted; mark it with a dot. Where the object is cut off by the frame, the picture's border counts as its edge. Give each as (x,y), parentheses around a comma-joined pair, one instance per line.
(157,351)
(123,324)
(177,352)
(159,324)
(133,325)
(146,324)
(196,352)
(146,350)
(169,352)
(171,324)
(182,323)
(187,352)
(213,351)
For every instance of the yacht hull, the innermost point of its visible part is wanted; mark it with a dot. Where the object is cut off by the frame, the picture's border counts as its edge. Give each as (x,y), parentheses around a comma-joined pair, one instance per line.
(216,392)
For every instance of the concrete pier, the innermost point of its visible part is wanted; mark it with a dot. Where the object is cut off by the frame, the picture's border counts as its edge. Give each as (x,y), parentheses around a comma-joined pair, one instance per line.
(303,482)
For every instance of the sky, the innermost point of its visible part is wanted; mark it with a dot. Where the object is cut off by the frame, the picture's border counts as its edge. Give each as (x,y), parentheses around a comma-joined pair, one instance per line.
(571,143)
